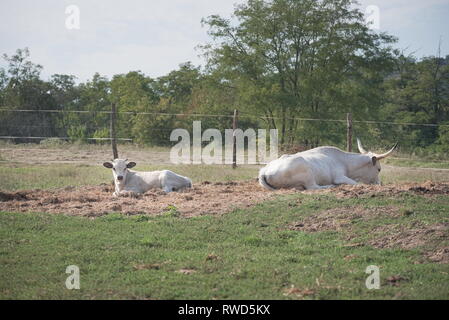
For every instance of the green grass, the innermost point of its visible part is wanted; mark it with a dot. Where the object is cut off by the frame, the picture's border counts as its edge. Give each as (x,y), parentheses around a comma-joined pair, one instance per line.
(49,176)
(417,163)
(254,254)
(245,254)
(19,177)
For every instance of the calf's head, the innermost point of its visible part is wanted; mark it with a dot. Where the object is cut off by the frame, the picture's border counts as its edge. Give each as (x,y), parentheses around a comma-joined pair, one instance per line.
(119,169)
(370,172)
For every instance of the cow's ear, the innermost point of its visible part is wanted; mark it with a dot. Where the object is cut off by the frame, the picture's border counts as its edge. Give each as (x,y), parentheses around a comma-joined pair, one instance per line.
(108,165)
(374,160)
(131,165)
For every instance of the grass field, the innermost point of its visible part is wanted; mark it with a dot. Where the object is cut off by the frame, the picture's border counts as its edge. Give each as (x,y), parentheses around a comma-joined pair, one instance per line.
(17,176)
(24,176)
(297,246)
(416,163)
(246,254)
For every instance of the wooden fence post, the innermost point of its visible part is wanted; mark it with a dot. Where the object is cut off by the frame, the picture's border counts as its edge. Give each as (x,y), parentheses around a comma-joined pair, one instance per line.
(113,132)
(234,139)
(349,132)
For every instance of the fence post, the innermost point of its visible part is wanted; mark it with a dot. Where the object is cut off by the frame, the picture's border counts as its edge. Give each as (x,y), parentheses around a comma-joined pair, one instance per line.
(234,139)
(113,132)
(349,132)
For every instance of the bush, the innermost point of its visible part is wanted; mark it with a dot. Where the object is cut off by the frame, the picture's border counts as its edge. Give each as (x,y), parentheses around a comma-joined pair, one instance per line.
(78,133)
(53,142)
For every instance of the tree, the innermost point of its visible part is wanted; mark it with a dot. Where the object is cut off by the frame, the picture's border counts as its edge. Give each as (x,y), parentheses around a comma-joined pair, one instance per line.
(22,88)
(170,94)
(303,57)
(84,118)
(65,94)
(419,93)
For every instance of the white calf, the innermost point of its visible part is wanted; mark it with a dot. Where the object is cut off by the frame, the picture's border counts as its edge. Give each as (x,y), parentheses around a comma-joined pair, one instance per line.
(131,182)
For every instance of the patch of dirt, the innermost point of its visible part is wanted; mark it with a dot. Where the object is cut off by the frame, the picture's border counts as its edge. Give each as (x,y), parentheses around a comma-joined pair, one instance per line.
(407,237)
(395,235)
(427,237)
(186,271)
(395,280)
(339,219)
(94,201)
(221,197)
(440,255)
(299,293)
(5,196)
(154,266)
(428,188)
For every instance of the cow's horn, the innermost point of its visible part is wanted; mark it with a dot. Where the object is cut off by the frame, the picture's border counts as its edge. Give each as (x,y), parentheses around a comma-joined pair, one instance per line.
(386,154)
(359,145)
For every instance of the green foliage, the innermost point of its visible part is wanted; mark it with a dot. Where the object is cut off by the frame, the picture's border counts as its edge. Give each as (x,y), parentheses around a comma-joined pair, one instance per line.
(78,133)
(52,142)
(443,138)
(417,93)
(171,211)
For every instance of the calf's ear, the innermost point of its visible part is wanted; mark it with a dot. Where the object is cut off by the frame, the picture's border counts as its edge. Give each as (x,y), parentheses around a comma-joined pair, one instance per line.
(131,165)
(108,165)
(374,160)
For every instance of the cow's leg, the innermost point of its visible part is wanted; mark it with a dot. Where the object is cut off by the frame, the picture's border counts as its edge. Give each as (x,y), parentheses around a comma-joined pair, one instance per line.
(311,184)
(308,181)
(165,184)
(127,193)
(344,180)
(315,186)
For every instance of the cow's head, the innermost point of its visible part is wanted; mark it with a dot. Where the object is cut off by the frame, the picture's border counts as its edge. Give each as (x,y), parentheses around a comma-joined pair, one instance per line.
(119,169)
(372,168)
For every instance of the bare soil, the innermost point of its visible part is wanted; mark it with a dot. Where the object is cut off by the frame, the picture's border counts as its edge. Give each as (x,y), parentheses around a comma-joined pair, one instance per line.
(94,201)
(204,198)
(219,198)
(394,235)
(428,188)
(340,219)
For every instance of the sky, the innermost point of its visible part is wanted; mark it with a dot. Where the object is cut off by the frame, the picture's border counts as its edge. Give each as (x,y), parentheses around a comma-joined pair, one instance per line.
(155,36)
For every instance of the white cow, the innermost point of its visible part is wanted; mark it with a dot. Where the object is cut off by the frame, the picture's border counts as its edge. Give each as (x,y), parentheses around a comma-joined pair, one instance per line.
(134,182)
(322,167)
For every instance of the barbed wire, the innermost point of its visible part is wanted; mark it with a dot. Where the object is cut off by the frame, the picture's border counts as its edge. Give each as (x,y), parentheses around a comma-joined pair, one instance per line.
(123,112)
(92,128)
(63,138)
(205,115)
